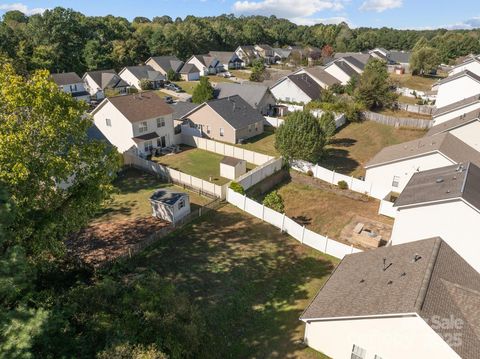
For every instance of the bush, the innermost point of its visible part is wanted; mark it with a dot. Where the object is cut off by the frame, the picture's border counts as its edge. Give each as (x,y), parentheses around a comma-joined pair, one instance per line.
(237,187)
(203,92)
(145,84)
(342,184)
(274,201)
(310,173)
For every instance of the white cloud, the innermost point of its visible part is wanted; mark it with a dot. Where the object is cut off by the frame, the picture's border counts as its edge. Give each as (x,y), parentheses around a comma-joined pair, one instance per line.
(327,21)
(380,5)
(289,9)
(21,7)
(473,23)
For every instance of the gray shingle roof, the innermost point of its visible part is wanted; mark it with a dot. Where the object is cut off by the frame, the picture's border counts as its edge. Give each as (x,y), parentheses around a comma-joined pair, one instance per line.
(231,161)
(359,56)
(451,182)
(223,56)
(168,62)
(426,277)
(282,53)
(106,79)
(145,72)
(455,122)
(145,137)
(457,105)
(308,85)
(252,93)
(458,75)
(444,143)
(346,68)
(181,108)
(167,196)
(189,69)
(400,57)
(322,75)
(66,78)
(353,61)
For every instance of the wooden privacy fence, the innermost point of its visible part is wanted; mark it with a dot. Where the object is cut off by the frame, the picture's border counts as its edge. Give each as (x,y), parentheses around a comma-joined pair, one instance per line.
(420,109)
(398,121)
(288,225)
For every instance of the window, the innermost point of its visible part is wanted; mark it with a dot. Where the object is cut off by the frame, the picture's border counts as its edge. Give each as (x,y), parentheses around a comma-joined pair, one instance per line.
(160,122)
(222,132)
(181,203)
(358,353)
(73,88)
(143,127)
(256,127)
(108,122)
(159,142)
(148,146)
(208,129)
(396,181)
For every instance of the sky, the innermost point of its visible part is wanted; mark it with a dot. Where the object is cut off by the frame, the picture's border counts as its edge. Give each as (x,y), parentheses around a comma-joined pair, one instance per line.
(400,14)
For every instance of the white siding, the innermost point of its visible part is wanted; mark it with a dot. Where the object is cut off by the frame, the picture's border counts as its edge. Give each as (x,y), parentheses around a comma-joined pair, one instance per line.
(451,115)
(166,130)
(130,78)
(322,85)
(456,90)
(459,231)
(472,67)
(470,134)
(288,91)
(336,72)
(383,175)
(389,338)
(93,88)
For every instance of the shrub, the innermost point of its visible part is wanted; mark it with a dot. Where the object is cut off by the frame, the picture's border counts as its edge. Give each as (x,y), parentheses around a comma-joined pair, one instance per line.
(310,173)
(203,92)
(145,84)
(237,187)
(274,201)
(342,185)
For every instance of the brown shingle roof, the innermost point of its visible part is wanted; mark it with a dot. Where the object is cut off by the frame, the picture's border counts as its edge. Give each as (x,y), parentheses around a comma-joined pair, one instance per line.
(440,184)
(322,75)
(455,122)
(139,107)
(389,280)
(444,143)
(66,78)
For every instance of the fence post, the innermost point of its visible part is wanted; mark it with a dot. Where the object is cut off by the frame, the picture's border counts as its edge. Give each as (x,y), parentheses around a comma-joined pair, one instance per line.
(316,171)
(303,233)
(283,223)
(351,182)
(326,244)
(263,212)
(351,248)
(371,185)
(244,201)
(333,177)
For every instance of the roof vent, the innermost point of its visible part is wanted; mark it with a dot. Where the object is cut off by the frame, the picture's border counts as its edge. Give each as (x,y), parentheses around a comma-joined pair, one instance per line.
(403,274)
(390,282)
(416,257)
(439,180)
(385,266)
(448,191)
(362,280)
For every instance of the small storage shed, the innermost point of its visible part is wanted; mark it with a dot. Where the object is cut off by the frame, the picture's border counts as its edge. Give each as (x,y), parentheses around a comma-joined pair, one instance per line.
(232,168)
(169,205)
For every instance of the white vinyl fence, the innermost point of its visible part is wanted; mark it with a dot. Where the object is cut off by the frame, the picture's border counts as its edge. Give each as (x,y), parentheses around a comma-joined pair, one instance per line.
(340,119)
(177,177)
(260,173)
(287,225)
(273,121)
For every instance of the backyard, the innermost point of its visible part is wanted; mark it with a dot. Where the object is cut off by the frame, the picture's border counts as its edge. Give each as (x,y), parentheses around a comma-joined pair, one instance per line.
(198,163)
(355,144)
(419,83)
(249,281)
(404,114)
(264,143)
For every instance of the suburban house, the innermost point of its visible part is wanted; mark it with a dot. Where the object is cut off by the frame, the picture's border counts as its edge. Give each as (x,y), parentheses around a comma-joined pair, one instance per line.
(189,72)
(457,87)
(465,127)
(322,77)
(300,88)
(229,119)
(163,64)
(266,53)
(456,109)
(180,109)
(281,55)
(416,300)
(472,64)
(141,122)
(393,58)
(341,70)
(393,166)
(442,202)
(379,53)
(134,75)
(70,82)
(207,65)
(228,59)
(96,82)
(247,54)
(170,205)
(256,95)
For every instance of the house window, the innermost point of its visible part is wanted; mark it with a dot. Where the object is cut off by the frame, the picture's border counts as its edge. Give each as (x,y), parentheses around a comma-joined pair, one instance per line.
(143,127)
(208,129)
(108,122)
(73,88)
(222,132)
(396,181)
(256,127)
(358,352)
(181,203)
(148,146)
(160,122)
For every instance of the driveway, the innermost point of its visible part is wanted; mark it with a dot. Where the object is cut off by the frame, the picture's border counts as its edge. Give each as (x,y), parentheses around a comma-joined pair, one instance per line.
(182,96)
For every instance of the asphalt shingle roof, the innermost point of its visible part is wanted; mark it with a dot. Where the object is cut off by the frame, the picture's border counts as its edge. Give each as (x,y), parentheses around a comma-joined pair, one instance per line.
(145,72)
(458,75)
(181,108)
(308,85)
(399,57)
(66,78)
(167,196)
(168,62)
(457,105)
(106,79)
(455,122)
(322,75)
(252,93)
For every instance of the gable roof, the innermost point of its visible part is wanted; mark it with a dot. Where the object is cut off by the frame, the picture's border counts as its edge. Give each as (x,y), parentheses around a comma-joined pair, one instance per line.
(181,108)
(380,55)
(66,78)
(308,85)
(458,121)
(469,59)
(252,93)
(205,60)
(445,143)
(439,184)
(426,277)
(282,53)
(457,105)
(138,107)
(223,56)
(188,69)
(322,75)
(167,197)
(167,62)
(145,72)
(248,50)
(345,67)
(231,161)
(355,62)
(458,75)
(362,57)
(400,57)
(234,110)
(106,79)
(265,47)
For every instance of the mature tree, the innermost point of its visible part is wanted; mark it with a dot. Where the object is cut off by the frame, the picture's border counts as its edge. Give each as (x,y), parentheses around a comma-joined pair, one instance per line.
(424,60)
(146,84)
(258,71)
(56,175)
(203,91)
(374,88)
(300,137)
(327,123)
(274,201)
(172,75)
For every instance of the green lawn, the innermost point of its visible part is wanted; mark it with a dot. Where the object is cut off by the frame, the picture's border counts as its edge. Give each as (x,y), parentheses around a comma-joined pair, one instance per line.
(163,94)
(133,190)
(249,281)
(199,163)
(356,143)
(187,86)
(419,83)
(264,143)
(407,100)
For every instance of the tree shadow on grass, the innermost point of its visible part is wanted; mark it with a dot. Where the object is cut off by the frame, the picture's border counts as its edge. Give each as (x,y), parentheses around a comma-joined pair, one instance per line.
(339,160)
(342,142)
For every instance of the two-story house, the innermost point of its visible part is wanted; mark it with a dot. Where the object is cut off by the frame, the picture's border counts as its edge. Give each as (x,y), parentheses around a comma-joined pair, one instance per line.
(70,82)
(140,122)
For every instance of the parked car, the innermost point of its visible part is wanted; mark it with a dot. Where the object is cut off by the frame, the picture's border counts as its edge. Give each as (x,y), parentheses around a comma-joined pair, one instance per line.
(169,99)
(173,87)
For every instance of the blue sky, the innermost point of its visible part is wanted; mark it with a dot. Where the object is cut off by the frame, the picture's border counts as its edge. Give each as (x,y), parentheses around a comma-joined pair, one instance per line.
(402,14)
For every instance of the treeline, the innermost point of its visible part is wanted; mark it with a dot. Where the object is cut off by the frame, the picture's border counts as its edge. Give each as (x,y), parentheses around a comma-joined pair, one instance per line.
(66,40)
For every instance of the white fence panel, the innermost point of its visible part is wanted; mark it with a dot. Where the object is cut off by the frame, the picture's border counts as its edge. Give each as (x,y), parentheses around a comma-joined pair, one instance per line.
(235,198)
(339,250)
(387,209)
(249,156)
(314,240)
(293,228)
(273,121)
(254,208)
(273,217)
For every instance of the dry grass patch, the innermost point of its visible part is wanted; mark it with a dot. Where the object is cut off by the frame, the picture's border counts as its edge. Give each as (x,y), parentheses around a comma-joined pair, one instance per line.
(404,114)
(419,83)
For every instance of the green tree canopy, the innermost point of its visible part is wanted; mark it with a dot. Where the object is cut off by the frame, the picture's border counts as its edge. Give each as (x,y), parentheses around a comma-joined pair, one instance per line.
(424,60)
(327,123)
(203,92)
(300,137)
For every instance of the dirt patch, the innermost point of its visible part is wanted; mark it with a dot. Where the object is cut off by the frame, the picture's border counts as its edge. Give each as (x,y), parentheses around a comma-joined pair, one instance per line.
(104,241)
(381,231)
